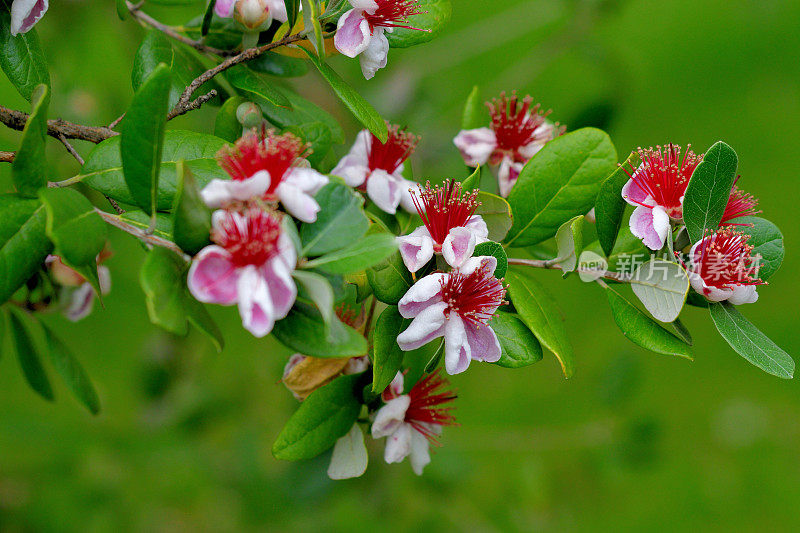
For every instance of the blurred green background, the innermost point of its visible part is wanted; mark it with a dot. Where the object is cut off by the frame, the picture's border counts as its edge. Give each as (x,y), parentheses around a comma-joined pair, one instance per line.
(634,441)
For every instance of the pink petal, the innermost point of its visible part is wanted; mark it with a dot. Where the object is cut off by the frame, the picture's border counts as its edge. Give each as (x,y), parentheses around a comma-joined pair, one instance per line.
(478,226)
(376,54)
(507,175)
(483,343)
(476,145)
(428,325)
(282,290)
(81,302)
(384,189)
(352,34)
(457,351)
(390,417)
(255,304)
(398,445)
(297,203)
(416,249)
(458,246)
(650,225)
(422,294)
(212,277)
(395,388)
(26,13)
(633,194)
(224,8)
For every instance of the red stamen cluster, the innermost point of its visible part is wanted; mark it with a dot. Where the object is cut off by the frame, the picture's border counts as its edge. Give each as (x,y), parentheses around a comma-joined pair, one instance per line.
(425,409)
(473,297)
(664,176)
(393,14)
(740,204)
(514,125)
(723,260)
(389,156)
(250,236)
(263,150)
(443,208)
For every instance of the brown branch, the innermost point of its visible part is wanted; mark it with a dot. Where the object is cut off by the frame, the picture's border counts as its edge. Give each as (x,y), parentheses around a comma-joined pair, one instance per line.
(56,128)
(70,149)
(141,234)
(549,264)
(7,157)
(179,110)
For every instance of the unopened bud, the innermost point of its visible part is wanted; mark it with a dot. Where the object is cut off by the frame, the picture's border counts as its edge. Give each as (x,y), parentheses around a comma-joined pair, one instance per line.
(249,115)
(253,14)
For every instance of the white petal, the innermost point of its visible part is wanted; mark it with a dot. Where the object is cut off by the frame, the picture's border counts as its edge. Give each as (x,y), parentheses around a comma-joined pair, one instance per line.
(281,287)
(420,452)
(478,227)
(384,189)
(278,10)
(397,386)
(423,293)
(352,33)
(426,326)
(80,302)
(406,200)
(507,175)
(457,352)
(352,171)
(398,444)
(376,54)
(743,294)
(483,343)
(476,145)
(458,246)
(390,417)
(650,225)
(219,192)
(367,5)
(416,249)
(104,277)
(26,13)
(298,203)
(473,263)
(349,457)
(255,304)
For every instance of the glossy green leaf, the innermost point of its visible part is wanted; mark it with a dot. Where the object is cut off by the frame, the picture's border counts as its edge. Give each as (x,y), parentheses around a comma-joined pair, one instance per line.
(311,12)
(141,220)
(103,168)
(29,169)
(497,251)
(749,342)
(23,242)
(352,99)
(661,286)
(224,33)
(326,415)
(73,225)
(609,207)
(304,331)
(279,65)
(253,83)
(642,330)
(561,181)
(569,239)
(122,9)
(28,354)
(767,242)
(340,221)
(434,16)
(472,182)
(191,219)
(208,16)
(518,344)
(292,9)
(362,254)
(71,371)
(709,189)
(302,112)
(319,138)
(387,357)
(475,114)
(142,138)
(227,125)
(21,56)
(496,212)
(390,279)
(540,313)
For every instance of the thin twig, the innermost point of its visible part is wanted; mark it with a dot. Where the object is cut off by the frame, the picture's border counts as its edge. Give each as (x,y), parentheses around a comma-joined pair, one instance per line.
(16,120)
(548,264)
(116,121)
(194,104)
(141,234)
(7,157)
(70,149)
(167,30)
(115,205)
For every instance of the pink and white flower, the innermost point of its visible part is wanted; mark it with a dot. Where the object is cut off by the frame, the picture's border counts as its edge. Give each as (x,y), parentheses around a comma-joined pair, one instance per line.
(271,167)
(76,296)
(458,306)
(450,226)
(413,421)
(252,14)
(377,168)
(722,267)
(518,131)
(360,31)
(250,265)
(26,13)
(656,188)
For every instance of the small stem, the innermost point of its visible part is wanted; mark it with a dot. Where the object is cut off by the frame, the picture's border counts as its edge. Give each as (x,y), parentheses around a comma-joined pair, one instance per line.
(170,32)
(70,149)
(548,264)
(116,122)
(140,234)
(194,104)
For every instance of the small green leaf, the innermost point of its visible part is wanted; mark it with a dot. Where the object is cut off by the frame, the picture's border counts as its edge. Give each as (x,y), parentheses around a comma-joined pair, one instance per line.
(302,112)
(317,288)
(207,18)
(227,125)
(473,181)
(496,212)
(387,356)
(767,242)
(305,331)
(29,169)
(518,344)
(749,342)
(326,415)
(361,109)
(661,286)
(251,82)
(540,313)
(28,355)
(77,231)
(642,330)
(191,219)
(276,64)
(311,13)
(569,239)
(433,17)
(475,114)
(23,242)
(709,189)
(362,254)
(122,9)
(390,279)
(142,138)
(71,371)
(292,9)
(609,206)
(497,251)
(340,221)
(21,56)
(561,181)
(318,136)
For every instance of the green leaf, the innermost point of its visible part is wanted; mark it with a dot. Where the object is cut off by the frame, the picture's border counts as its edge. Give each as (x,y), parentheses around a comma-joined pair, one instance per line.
(387,358)
(292,9)
(473,181)
(208,16)
(317,288)
(749,342)
(305,331)
(642,330)
(709,189)
(340,221)
(73,225)
(559,182)
(227,125)
(21,57)
(661,286)
(569,239)
(23,242)
(361,109)
(311,13)
(28,355)
(253,83)
(279,65)
(142,221)
(475,114)
(434,16)
(518,344)
(318,136)
(191,219)
(496,212)
(540,313)
(29,169)
(361,255)
(224,33)
(122,9)
(71,371)
(103,168)
(609,207)
(326,415)
(302,112)
(498,252)
(767,241)
(390,279)
(142,138)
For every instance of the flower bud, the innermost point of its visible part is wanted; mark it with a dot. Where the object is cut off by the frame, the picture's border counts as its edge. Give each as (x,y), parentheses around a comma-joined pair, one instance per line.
(253,14)
(303,375)
(249,115)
